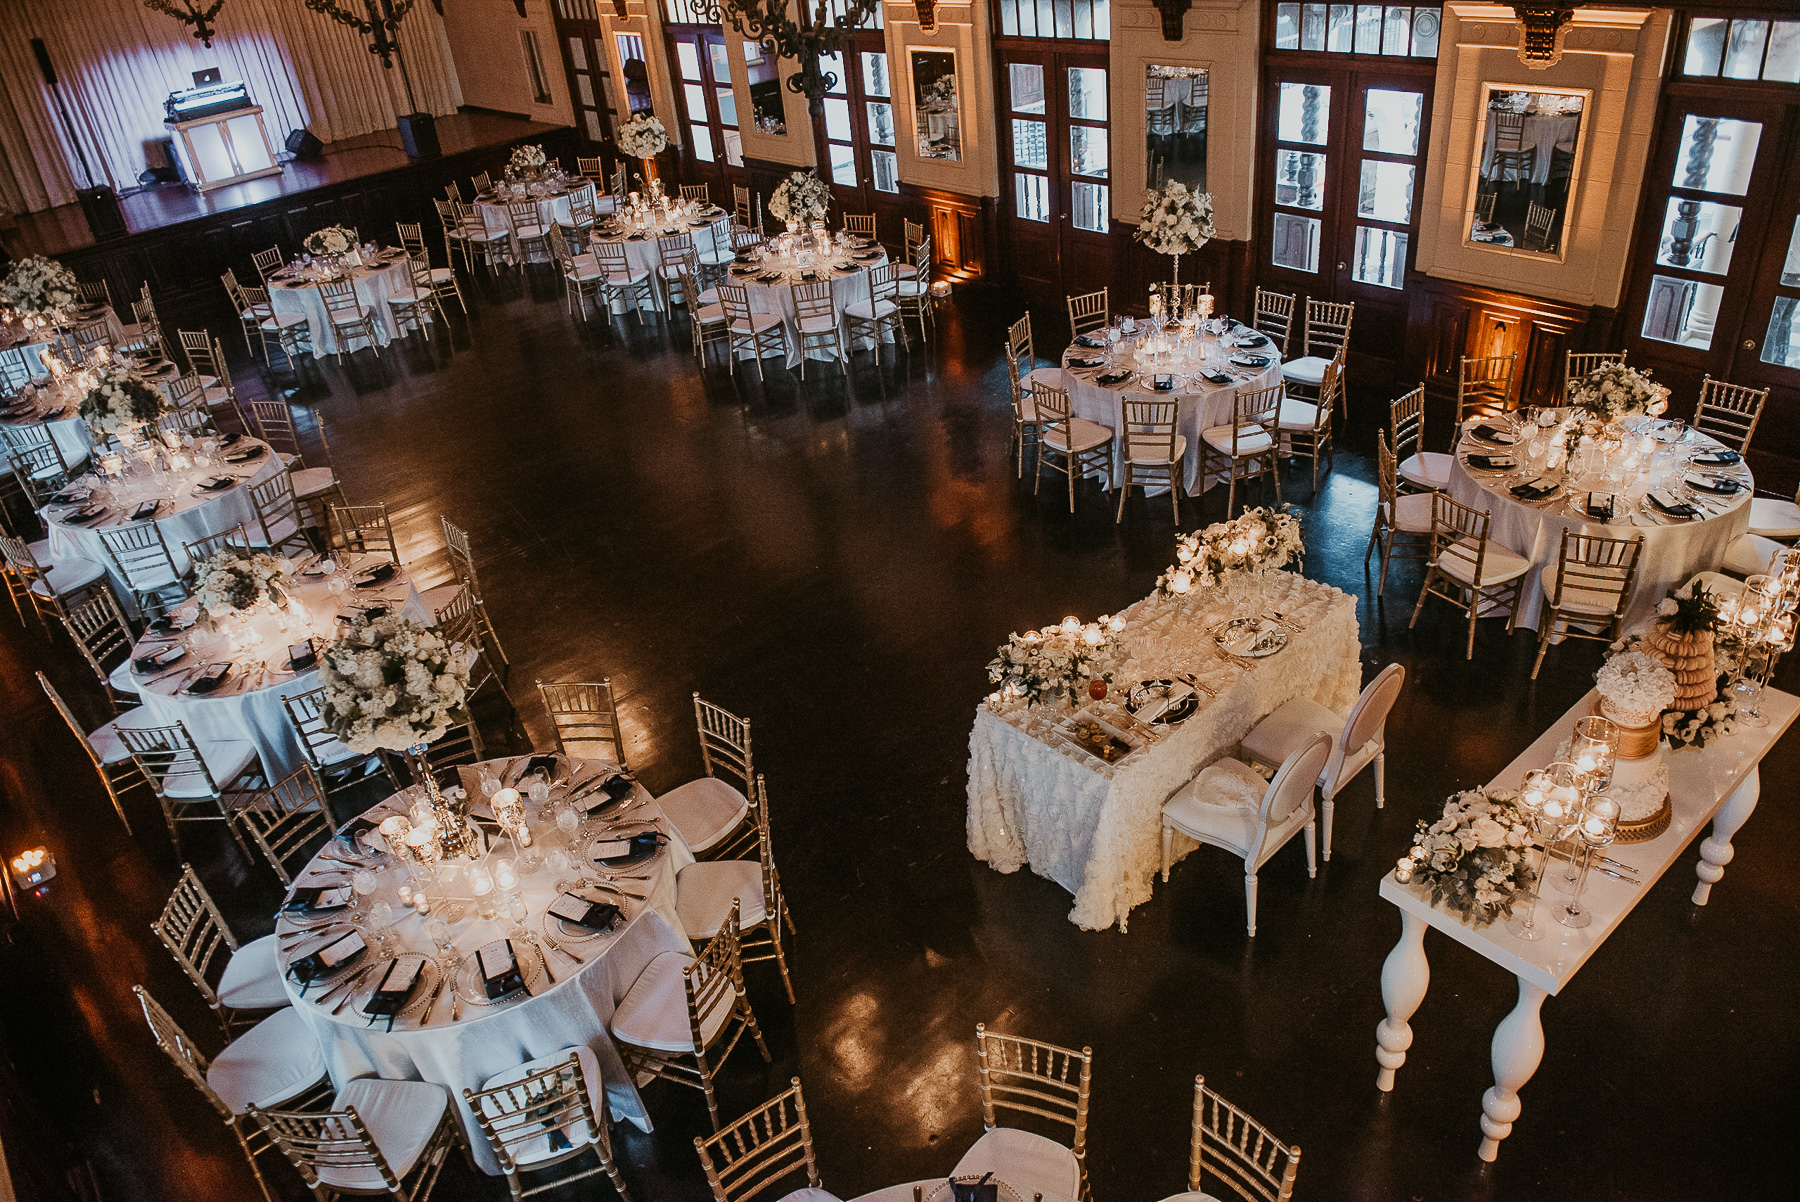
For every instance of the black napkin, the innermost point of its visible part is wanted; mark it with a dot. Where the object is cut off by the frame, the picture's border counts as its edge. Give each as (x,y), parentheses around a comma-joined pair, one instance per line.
(1533,490)
(1217,377)
(1665,501)
(1718,486)
(596,916)
(1720,458)
(157,660)
(86,514)
(1162,383)
(1492,463)
(210,678)
(984,1190)
(635,847)
(226,440)
(499,969)
(302,656)
(1489,434)
(1077,361)
(873,254)
(769,277)
(371,576)
(332,956)
(1253,340)
(1250,360)
(1600,506)
(246,455)
(219,483)
(367,613)
(69,496)
(615,788)
(397,984)
(1114,377)
(1089,342)
(318,899)
(146,510)
(168,623)
(809,275)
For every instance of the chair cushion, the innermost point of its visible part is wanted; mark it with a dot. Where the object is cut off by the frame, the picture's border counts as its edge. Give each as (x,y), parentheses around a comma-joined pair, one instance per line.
(106,742)
(1307,369)
(913,288)
(1412,513)
(283,321)
(703,893)
(1497,566)
(707,296)
(654,1012)
(1219,438)
(1083,434)
(904,271)
(1290,728)
(703,811)
(529,231)
(409,297)
(706,315)
(1772,518)
(1052,376)
(861,309)
(635,275)
(578,1133)
(818,323)
(1029,1163)
(401,1117)
(1220,806)
(809,1194)
(224,760)
(67,575)
(1146,448)
(1429,469)
(1578,600)
(443,275)
(311,481)
(1749,555)
(1299,416)
(273,1061)
(757,321)
(252,977)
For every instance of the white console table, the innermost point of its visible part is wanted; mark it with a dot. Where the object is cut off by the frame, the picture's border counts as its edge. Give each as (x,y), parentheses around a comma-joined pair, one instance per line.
(1719,784)
(225,148)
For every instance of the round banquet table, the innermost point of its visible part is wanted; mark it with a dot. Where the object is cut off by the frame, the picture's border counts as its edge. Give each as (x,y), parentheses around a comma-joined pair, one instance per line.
(1674,549)
(427,1042)
(57,407)
(1201,404)
(186,514)
(22,352)
(776,295)
(248,706)
(297,293)
(711,234)
(552,208)
(937,1189)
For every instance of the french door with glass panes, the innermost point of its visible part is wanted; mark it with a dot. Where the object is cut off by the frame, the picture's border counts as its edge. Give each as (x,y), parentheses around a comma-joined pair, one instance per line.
(1340,194)
(590,82)
(1057,190)
(713,153)
(855,135)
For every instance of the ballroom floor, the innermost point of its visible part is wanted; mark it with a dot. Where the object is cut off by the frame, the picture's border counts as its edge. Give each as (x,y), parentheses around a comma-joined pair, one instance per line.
(838,565)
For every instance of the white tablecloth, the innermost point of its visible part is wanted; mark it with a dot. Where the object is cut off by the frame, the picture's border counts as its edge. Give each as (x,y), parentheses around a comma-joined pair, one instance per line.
(575,1010)
(551,209)
(24,353)
(1671,556)
(258,715)
(1096,829)
(641,252)
(373,287)
(70,433)
(1545,134)
(846,289)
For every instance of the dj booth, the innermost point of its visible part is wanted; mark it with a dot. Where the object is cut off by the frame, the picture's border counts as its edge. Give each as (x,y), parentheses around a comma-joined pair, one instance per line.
(219,135)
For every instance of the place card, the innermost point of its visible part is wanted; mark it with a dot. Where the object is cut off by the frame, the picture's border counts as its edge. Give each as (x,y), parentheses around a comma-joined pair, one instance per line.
(615,788)
(1533,490)
(145,511)
(157,660)
(499,968)
(1720,458)
(396,985)
(210,677)
(609,851)
(302,655)
(1600,505)
(317,899)
(596,916)
(1718,485)
(333,955)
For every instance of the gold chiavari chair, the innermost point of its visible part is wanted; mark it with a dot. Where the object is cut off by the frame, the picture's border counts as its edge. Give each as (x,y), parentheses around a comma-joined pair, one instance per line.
(249,975)
(861,224)
(417,306)
(1025,420)
(531,235)
(914,292)
(621,182)
(1577,366)
(625,282)
(363,529)
(456,236)
(141,558)
(762,334)
(443,279)
(1250,447)
(707,323)
(351,320)
(458,621)
(288,821)
(873,317)
(82,344)
(205,548)
(201,353)
(1237,1150)
(267,262)
(277,1062)
(101,634)
(1484,205)
(1089,311)
(1306,426)
(315,488)
(582,217)
(1031,1077)
(371,1141)
(281,527)
(581,274)
(671,251)
(1511,156)
(1425,471)
(740,206)
(1402,520)
(594,169)
(1153,451)
(815,320)
(462,567)
(711,814)
(18,584)
(1072,446)
(42,457)
(714,259)
(334,766)
(486,244)
(1729,412)
(453,192)
(647,1025)
(546,1112)
(250,315)
(584,717)
(1586,590)
(112,763)
(706,890)
(1327,336)
(697,192)
(1483,389)
(52,589)
(94,292)
(755,1156)
(481,182)
(744,239)
(1467,570)
(915,234)
(1538,221)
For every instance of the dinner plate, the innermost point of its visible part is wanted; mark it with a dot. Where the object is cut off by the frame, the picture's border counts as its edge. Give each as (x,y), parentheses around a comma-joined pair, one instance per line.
(422,992)
(473,990)
(1268,641)
(1147,691)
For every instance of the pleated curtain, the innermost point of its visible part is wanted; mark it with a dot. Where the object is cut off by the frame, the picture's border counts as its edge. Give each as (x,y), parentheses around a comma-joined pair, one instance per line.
(117,61)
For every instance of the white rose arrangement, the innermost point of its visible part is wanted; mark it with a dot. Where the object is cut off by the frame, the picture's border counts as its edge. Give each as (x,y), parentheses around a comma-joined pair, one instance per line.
(1475,859)
(1612,391)
(642,137)
(1043,665)
(392,684)
(236,578)
(1634,688)
(1256,538)
(121,399)
(939,96)
(527,158)
(332,240)
(38,285)
(1176,220)
(801,199)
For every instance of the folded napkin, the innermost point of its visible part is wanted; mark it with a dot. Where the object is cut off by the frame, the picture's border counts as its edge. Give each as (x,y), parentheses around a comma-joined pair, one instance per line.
(1113,377)
(1246,639)
(634,237)
(1156,708)
(371,576)
(85,514)
(1250,360)
(614,788)
(210,678)
(1162,383)
(1600,505)
(1665,500)
(217,483)
(1721,486)
(302,656)
(1488,433)
(1493,463)
(1077,361)
(1252,340)
(579,911)
(873,254)
(768,277)
(146,510)
(254,451)
(226,440)
(158,659)
(169,623)
(809,275)
(1216,377)
(1719,458)
(845,267)
(69,496)
(741,272)
(617,851)
(1533,490)
(1090,342)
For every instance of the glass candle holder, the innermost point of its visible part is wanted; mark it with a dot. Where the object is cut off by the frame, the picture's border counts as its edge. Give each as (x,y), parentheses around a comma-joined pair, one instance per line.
(1597,830)
(1564,802)
(1594,750)
(1532,795)
(481,888)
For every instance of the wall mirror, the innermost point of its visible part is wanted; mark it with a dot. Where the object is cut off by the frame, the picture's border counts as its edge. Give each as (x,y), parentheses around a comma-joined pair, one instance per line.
(1528,145)
(935,104)
(1175,125)
(764,78)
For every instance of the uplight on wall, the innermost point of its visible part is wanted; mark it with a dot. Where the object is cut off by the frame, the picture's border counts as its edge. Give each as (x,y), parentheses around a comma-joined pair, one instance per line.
(33,869)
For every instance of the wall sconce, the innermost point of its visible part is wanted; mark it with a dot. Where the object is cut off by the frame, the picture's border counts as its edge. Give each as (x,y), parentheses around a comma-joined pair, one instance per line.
(1541,30)
(31,870)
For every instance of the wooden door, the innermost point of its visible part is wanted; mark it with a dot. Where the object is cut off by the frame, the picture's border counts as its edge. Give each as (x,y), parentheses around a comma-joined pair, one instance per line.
(590,84)
(855,135)
(712,151)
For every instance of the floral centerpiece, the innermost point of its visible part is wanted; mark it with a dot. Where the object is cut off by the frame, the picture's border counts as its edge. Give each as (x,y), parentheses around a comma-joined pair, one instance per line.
(800,200)
(237,578)
(1043,665)
(1256,538)
(1475,859)
(37,286)
(1176,220)
(527,160)
(392,684)
(121,399)
(1612,391)
(332,240)
(642,137)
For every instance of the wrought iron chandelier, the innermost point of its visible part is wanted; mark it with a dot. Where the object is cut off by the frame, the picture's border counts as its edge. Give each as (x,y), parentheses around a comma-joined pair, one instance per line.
(197,13)
(382,24)
(815,35)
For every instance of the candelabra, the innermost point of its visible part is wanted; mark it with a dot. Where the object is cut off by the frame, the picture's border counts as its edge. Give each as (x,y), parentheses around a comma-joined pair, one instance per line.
(814,36)
(197,13)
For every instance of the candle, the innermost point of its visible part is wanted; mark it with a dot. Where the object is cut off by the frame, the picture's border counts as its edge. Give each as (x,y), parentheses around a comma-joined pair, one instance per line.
(1403,871)
(481,881)
(406,894)
(506,878)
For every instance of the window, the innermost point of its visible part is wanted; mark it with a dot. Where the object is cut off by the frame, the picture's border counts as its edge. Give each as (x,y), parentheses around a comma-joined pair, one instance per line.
(1385,29)
(691,12)
(1083,20)
(1714,159)
(703,68)
(534,67)
(637,75)
(1743,48)
(1303,119)
(883,165)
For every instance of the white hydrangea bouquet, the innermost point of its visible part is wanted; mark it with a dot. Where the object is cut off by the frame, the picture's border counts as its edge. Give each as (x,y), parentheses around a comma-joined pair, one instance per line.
(642,137)
(1475,859)
(392,685)
(37,285)
(1176,220)
(526,159)
(237,578)
(801,199)
(1256,538)
(1612,391)
(1044,665)
(1634,688)
(332,240)
(121,399)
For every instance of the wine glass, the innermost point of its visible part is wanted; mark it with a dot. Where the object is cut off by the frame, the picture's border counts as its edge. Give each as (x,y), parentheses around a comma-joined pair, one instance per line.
(566,822)
(362,883)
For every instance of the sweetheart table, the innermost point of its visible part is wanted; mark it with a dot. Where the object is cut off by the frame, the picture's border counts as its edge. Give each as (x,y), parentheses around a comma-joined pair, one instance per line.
(1719,783)
(1096,828)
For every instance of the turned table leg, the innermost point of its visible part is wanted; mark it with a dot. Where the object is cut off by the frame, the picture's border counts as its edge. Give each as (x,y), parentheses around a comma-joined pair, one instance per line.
(1404,979)
(1518,1050)
(1716,849)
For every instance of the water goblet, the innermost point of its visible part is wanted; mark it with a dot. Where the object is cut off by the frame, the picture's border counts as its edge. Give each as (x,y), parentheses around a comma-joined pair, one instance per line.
(1596,831)
(539,789)
(362,883)
(566,822)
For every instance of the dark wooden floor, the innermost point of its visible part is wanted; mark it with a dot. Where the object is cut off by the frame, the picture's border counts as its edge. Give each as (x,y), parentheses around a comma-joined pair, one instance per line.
(837,563)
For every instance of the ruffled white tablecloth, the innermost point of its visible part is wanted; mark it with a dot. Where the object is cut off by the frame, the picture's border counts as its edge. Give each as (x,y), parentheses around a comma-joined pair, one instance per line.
(249,705)
(1096,829)
(551,210)
(712,236)
(778,297)
(575,1010)
(373,287)
(1672,553)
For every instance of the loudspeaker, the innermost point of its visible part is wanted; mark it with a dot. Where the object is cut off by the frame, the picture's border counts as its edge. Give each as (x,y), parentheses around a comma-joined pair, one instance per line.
(302,145)
(418,135)
(43,58)
(104,217)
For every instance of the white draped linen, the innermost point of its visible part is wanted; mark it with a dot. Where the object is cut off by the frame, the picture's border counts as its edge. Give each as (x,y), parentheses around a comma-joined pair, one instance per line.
(1543,134)
(374,285)
(642,253)
(488,1040)
(551,210)
(1096,829)
(59,411)
(778,297)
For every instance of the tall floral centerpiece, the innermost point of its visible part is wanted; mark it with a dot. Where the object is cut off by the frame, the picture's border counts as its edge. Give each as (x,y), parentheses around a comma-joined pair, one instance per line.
(1473,860)
(1176,221)
(1606,395)
(120,399)
(527,161)
(1256,540)
(643,137)
(1045,665)
(800,200)
(38,290)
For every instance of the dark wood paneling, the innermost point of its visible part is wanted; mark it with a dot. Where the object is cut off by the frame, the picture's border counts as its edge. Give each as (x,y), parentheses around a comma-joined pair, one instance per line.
(1447,320)
(1226,265)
